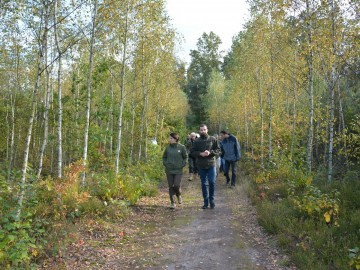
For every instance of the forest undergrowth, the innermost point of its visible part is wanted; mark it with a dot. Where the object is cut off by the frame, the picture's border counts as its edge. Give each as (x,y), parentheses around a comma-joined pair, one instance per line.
(315,223)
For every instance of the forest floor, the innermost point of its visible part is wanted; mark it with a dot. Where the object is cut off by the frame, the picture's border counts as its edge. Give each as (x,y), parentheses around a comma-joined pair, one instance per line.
(153,236)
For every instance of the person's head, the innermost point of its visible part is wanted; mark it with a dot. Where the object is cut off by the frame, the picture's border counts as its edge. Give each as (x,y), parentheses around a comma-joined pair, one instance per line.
(216,136)
(193,135)
(224,134)
(203,130)
(174,137)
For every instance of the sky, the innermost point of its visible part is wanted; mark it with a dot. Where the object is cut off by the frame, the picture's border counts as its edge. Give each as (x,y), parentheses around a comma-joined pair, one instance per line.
(191,18)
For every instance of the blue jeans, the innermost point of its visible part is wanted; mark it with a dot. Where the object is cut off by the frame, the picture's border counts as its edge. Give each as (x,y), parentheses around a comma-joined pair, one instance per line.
(208,179)
(231,164)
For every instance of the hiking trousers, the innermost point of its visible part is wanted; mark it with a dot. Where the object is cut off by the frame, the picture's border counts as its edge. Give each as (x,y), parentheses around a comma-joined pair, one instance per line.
(174,181)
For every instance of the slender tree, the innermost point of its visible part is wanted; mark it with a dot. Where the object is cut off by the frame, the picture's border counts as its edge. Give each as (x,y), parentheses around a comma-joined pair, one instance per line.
(88,97)
(43,35)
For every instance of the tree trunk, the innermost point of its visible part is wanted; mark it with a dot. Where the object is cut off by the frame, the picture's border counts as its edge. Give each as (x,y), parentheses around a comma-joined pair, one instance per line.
(343,130)
(261,120)
(332,96)
(122,90)
(146,119)
(309,148)
(60,109)
(133,106)
(246,126)
(12,134)
(143,111)
(293,111)
(32,115)
(270,96)
(46,115)
(88,98)
(109,126)
(158,113)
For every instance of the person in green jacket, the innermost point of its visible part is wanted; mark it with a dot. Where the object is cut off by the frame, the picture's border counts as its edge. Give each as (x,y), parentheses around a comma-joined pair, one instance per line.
(174,160)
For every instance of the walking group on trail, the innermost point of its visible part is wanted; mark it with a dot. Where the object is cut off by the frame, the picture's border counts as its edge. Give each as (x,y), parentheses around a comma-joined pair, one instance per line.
(205,156)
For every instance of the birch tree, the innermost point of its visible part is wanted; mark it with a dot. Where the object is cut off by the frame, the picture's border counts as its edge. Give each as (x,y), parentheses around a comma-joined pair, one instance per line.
(310,137)
(88,97)
(42,41)
(124,42)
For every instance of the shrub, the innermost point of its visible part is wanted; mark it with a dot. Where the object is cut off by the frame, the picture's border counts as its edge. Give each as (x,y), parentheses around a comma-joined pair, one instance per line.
(317,205)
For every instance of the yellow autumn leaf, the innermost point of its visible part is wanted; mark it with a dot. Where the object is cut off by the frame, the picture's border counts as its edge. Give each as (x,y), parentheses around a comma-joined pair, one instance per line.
(34,252)
(327,217)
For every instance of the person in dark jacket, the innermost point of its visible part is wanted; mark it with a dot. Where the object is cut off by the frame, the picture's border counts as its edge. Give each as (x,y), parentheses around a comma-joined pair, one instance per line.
(230,152)
(174,160)
(192,161)
(205,149)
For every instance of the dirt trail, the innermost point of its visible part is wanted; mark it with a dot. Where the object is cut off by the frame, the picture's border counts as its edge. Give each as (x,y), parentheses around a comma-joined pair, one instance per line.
(227,237)
(156,237)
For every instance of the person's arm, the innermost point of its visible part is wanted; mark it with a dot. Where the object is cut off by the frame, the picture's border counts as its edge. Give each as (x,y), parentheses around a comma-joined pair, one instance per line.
(215,149)
(194,152)
(164,158)
(222,150)
(184,155)
(238,150)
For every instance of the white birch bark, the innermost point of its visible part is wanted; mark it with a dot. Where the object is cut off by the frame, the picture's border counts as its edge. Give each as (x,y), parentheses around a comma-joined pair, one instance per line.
(22,184)
(60,108)
(309,148)
(122,91)
(109,126)
(133,113)
(146,119)
(7,121)
(12,134)
(46,115)
(158,113)
(270,98)
(293,109)
(88,97)
(332,96)
(260,99)
(144,102)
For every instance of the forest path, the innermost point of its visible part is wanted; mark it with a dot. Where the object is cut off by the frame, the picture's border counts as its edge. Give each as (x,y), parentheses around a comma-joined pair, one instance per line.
(155,237)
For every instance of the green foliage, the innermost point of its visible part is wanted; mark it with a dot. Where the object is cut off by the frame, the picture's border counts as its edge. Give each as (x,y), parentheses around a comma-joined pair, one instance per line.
(60,199)
(353,139)
(307,220)
(354,256)
(20,240)
(203,61)
(276,218)
(132,182)
(317,205)
(349,188)
(52,203)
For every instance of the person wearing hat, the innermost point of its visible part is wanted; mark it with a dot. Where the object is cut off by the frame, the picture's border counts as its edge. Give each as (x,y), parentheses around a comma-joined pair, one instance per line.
(174,160)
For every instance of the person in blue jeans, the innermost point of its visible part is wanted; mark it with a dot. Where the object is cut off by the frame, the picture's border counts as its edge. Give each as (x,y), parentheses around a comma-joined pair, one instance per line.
(230,152)
(205,149)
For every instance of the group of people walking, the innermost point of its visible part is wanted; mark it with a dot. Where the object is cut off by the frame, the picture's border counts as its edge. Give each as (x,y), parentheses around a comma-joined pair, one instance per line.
(201,153)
